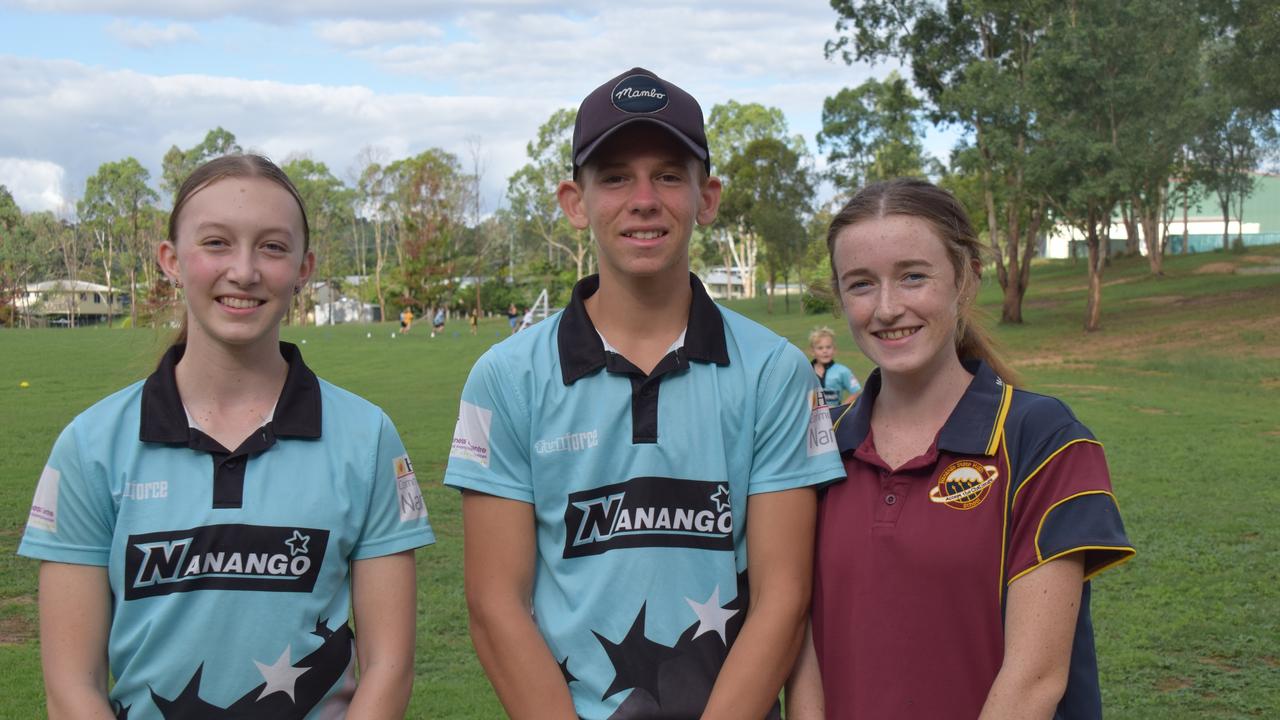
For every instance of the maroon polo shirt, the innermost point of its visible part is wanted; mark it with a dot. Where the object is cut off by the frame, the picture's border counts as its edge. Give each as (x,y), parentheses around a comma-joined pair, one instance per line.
(913,565)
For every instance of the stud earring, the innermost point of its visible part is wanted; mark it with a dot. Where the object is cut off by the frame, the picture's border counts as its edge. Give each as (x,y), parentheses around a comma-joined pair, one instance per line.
(297,289)
(177,284)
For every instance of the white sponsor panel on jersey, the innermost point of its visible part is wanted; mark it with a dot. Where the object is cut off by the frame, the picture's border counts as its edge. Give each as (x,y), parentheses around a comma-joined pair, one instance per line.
(408,493)
(471,434)
(44,508)
(821,438)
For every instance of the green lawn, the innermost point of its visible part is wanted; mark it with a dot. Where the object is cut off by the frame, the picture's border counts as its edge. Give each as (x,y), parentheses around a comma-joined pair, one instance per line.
(1182,385)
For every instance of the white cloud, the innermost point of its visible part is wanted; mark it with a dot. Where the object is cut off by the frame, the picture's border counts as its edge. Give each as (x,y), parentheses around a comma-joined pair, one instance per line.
(146,36)
(78,117)
(282,10)
(35,184)
(364,33)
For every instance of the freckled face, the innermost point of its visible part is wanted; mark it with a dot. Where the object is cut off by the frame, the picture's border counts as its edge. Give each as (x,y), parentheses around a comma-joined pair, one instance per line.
(239,254)
(899,292)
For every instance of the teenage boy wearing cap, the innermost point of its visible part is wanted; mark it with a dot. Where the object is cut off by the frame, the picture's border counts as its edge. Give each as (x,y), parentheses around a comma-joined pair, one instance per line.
(610,457)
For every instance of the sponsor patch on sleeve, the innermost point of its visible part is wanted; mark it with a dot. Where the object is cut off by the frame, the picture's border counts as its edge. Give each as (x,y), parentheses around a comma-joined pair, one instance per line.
(407,491)
(44,508)
(471,434)
(820,438)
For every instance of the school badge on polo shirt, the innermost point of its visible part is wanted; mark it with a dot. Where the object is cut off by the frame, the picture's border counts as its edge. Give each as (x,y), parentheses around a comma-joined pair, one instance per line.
(964,485)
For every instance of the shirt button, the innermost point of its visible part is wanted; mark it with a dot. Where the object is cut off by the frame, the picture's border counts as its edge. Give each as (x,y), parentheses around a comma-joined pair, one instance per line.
(890,499)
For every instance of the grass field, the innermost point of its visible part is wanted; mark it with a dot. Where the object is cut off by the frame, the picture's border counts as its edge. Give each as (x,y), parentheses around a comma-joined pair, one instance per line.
(1182,385)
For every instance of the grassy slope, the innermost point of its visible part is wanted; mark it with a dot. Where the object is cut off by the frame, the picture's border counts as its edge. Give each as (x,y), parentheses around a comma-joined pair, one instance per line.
(1182,385)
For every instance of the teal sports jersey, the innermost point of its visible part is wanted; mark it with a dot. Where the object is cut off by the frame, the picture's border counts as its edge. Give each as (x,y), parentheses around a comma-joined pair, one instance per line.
(230,571)
(838,380)
(639,485)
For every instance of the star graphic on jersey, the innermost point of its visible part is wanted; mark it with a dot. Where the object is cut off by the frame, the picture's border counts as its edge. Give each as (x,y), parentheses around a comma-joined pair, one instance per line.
(711,617)
(721,498)
(298,543)
(280,677)
(636,660)
(564,670)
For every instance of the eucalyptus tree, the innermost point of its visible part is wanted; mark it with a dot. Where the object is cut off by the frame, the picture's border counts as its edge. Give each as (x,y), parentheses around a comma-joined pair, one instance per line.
(531,192)
(873,132)
(113,209)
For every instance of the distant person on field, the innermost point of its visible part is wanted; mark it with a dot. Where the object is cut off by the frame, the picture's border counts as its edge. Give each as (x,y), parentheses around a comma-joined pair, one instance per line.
(838,381)
(513,317)
(406,321)
(205,534)
(953,564)
(437,322)
(475,320)
(638,469)
(527,321)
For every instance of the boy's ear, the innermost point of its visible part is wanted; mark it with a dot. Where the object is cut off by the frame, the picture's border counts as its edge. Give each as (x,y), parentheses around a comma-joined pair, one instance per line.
(709,200)
(569,194)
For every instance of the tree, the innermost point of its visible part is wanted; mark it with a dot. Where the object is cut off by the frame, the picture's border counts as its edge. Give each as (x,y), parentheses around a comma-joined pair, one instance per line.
(731,128)
(872,132)
(769,196)
(328,203)
(1249,59)
(372,193)
(1228,149)
(975,62)
(113,208)
(429,197)
(178,164)
(18,256)
(531,191)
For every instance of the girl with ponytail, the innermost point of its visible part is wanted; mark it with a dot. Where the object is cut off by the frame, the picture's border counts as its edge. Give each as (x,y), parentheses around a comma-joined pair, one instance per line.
(952,565)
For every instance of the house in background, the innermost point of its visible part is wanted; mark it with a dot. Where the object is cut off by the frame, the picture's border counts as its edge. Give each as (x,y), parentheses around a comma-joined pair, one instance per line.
(71,302)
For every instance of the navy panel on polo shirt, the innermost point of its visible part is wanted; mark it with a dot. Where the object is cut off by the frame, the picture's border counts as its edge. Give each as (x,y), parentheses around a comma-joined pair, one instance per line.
(229,570)
(914,563)
(639,485)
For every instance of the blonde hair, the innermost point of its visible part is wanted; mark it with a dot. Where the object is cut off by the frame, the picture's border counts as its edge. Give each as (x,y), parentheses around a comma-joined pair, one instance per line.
(923,200)
(820,332)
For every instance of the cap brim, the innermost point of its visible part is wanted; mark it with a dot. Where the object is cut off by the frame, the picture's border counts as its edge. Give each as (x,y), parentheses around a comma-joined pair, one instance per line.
(698,152)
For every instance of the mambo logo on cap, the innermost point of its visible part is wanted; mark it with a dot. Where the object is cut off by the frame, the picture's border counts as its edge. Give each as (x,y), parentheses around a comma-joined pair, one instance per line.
(223,557)
(649,512)
(639,94)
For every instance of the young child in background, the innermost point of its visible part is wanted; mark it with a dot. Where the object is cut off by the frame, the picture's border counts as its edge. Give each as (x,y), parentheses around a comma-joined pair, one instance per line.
(836,379)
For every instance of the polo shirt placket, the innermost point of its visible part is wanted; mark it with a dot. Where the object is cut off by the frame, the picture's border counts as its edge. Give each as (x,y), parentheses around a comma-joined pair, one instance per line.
(164,420)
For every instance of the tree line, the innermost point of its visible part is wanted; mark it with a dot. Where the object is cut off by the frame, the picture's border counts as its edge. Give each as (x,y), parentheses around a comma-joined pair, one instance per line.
(1072,112)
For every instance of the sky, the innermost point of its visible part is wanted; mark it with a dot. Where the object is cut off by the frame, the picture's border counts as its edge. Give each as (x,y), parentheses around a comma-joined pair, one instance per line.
(83,82)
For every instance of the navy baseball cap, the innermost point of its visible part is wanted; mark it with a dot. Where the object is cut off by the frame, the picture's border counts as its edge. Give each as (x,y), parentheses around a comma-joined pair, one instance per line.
(636,96)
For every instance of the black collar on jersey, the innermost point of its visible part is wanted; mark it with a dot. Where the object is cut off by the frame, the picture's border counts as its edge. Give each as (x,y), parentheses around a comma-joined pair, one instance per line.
(582,352)
(974,427)
(164,420)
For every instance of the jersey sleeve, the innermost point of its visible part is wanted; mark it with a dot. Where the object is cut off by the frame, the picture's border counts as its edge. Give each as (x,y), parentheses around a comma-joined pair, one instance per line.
(1065,506)
(489,452)
(396,518)
(853,386)
(794,444)
(73,513)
